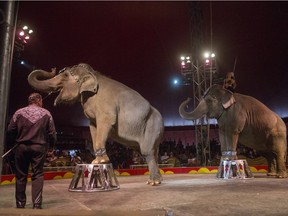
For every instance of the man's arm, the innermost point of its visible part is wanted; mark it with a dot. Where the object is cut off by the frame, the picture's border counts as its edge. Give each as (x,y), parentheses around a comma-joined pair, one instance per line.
(11,133)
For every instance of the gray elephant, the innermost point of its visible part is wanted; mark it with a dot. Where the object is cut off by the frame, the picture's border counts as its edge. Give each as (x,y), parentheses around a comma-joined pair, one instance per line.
(115,111)
(246,120)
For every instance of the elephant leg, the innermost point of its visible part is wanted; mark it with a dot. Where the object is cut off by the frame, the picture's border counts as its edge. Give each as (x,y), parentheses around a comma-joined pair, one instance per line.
(149,148)
(272,167)
(281,166)
(93,132)
(99,137)
(271,162)
(228,139)
(276,165)
(155,177)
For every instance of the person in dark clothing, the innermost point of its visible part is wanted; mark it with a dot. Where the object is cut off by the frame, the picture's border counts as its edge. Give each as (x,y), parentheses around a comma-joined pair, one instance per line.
(33,130)
(230,82)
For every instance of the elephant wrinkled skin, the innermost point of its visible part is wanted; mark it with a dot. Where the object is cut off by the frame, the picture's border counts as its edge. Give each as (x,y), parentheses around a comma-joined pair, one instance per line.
(246,120)
(115,111)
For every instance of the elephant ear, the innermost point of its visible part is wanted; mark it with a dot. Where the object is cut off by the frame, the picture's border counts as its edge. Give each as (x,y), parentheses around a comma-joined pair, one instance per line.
(88,83)
(228,99)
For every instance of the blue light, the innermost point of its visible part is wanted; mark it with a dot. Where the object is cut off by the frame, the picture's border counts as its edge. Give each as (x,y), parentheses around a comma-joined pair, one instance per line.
(22,62)
(176,81)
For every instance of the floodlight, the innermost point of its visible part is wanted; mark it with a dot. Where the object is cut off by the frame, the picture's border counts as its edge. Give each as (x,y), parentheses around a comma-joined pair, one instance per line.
(24,34)
(206,54)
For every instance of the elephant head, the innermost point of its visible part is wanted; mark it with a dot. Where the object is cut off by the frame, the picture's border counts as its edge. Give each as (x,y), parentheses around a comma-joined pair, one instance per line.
(214,101)
(71,82)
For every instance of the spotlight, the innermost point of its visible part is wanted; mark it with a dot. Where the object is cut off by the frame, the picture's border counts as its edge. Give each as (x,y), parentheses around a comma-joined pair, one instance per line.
(24,34)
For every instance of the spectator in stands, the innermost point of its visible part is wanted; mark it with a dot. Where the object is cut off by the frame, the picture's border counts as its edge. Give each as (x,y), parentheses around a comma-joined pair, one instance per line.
(76,159)
(164,157)
(136,158)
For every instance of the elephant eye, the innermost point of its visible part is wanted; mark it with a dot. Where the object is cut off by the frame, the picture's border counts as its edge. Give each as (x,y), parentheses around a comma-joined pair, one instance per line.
(208,100)
(65,74)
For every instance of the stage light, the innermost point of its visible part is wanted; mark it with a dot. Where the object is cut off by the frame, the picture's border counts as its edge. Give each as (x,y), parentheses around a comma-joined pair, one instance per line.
(206,54)
(209,55)
(24,34)
(186,62)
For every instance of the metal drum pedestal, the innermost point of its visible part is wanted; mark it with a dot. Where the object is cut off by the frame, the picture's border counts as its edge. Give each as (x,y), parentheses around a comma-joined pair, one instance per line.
(232,169)
(101,177)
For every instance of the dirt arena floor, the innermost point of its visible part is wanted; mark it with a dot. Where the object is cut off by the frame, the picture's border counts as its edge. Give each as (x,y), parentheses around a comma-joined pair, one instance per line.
(178,195)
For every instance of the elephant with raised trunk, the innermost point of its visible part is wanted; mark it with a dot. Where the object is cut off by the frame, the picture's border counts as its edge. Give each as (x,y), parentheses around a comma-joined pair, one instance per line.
(115,111)
(244,119)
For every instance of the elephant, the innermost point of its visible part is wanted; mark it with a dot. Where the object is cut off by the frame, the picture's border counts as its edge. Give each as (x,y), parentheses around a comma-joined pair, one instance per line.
(243,119)
(114,110)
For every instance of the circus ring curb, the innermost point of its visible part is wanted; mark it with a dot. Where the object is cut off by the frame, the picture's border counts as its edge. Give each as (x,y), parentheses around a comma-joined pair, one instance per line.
(10,179)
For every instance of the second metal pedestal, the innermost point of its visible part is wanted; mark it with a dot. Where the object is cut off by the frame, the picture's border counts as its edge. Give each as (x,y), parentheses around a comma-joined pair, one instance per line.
(231,169)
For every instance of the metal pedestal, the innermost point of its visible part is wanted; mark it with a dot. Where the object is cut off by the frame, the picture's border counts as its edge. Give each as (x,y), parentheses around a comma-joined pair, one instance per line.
(233,169)
(101,177)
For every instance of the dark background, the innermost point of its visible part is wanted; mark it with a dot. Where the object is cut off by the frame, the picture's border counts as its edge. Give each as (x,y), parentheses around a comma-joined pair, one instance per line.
(140,44)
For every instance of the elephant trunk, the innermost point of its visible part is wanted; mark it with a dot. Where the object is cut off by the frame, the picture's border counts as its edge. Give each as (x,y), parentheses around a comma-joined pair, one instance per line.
(41,80)
(199,111)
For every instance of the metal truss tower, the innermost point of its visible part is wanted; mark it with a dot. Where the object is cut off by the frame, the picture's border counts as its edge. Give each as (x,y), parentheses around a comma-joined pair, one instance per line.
(199,71)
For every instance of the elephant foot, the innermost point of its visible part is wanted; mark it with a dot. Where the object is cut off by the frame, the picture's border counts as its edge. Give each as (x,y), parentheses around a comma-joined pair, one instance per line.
(278,175)
(271,174)
(153,182)
(104,159)
(282,175)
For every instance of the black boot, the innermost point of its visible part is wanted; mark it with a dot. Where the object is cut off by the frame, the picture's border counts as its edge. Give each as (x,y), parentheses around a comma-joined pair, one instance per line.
(37,206)
(20,204)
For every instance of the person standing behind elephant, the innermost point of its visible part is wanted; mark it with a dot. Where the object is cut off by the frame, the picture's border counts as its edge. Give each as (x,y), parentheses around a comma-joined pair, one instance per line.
(230,82)
(33,128)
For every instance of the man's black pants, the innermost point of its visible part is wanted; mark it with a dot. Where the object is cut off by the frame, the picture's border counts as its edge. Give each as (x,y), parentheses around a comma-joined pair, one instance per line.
(25,155)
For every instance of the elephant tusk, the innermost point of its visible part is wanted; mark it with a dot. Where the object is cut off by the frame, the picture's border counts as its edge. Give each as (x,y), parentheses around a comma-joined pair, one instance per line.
(47,95)
(51,92)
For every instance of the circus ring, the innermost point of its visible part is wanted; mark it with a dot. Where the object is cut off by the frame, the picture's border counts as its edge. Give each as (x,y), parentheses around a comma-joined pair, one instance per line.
(68,174)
